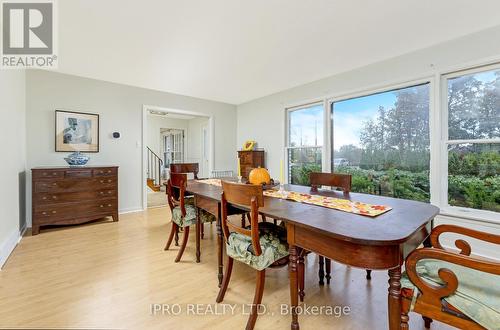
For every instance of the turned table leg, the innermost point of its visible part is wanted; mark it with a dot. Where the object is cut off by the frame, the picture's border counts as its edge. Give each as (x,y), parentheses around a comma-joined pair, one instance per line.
(300,276)
(198,235)
(294,295)
(220,246)
(394,298)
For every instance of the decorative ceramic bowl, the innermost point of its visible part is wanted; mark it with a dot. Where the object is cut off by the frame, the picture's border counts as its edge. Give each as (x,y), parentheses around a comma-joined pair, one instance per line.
(77,159)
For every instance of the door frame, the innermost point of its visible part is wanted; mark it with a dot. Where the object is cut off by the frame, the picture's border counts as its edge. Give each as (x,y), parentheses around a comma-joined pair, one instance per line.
(203,151)
(211,140)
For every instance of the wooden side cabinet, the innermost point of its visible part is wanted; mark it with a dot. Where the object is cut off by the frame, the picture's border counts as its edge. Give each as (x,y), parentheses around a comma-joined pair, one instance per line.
(72,195)
(249,160)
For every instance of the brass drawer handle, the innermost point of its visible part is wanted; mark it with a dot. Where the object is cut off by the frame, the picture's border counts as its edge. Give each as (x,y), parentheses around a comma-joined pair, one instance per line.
(54,212)
(101,205)
(44,197)
(54,173)
(54,197)
(109,205)
(54,184)
(44,213)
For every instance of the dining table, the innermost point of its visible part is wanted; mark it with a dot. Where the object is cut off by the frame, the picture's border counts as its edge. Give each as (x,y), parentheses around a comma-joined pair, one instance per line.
(375,243)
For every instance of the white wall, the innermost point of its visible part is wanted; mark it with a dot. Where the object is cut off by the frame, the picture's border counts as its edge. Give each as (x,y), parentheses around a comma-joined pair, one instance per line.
(263,119)
(194,143)
(120,108)
(13,164)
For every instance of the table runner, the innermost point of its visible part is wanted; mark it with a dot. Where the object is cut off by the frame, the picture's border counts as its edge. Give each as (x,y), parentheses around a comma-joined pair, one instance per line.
(345,205)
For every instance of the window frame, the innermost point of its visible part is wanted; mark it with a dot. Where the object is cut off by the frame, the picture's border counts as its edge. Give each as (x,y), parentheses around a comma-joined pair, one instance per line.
(290,109)
(433,121)
(446,208)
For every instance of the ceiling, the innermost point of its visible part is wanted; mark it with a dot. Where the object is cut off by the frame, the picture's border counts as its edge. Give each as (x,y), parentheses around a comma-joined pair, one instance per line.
(238,50)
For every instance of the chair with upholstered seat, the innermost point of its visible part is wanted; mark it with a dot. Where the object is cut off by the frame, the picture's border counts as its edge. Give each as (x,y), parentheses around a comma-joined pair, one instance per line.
(184,214)
(455,288)
(189,168)
(260,245)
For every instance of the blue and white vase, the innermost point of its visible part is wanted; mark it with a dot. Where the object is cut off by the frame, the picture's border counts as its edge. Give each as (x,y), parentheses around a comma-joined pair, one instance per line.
(77,159)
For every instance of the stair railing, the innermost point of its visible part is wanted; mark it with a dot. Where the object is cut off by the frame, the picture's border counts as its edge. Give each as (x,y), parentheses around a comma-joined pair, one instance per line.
(155,163)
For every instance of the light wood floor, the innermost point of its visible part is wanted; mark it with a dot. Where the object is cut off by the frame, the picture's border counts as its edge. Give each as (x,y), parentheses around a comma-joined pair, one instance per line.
(107,275)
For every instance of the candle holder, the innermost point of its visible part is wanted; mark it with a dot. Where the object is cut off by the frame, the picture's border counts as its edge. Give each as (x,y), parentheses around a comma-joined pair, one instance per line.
(283,193)
(239,179)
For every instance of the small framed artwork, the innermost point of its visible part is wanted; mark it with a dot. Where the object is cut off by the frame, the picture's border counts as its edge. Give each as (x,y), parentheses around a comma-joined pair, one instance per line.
(77,131)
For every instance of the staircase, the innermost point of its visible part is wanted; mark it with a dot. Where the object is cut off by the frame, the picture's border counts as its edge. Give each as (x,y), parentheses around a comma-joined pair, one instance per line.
(155,164)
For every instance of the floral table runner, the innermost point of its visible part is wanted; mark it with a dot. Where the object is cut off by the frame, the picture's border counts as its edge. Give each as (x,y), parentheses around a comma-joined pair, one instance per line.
(330,202)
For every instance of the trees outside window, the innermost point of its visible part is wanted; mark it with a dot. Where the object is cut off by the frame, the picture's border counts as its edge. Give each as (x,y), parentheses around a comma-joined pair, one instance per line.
(305,142)
(473,144)
(382,140)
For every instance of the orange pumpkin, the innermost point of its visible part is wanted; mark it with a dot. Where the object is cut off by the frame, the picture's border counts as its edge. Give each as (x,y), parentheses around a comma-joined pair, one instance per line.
(259,176)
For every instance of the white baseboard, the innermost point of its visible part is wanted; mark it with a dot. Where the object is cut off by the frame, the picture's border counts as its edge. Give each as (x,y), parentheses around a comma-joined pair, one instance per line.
(131,210)
(7,246)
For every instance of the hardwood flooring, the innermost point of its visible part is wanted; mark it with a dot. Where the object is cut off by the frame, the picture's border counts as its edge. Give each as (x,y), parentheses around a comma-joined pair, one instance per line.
(108,275)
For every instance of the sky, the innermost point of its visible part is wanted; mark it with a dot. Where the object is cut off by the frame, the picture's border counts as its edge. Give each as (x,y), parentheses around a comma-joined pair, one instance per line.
(350,115)
(306,126)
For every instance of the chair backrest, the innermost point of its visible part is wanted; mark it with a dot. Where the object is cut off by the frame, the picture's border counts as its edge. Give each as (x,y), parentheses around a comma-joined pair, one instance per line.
(176,188)
(185,168)
(342,181)
(240,194)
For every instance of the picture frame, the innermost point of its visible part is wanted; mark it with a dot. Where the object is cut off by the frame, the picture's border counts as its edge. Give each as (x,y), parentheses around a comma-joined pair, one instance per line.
(76,131)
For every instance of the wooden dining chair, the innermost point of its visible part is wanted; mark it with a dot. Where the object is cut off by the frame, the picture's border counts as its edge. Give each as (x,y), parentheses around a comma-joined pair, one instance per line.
(194,169)
(340,181)
(184,215)
(185,168)
(459,289)
(260,245)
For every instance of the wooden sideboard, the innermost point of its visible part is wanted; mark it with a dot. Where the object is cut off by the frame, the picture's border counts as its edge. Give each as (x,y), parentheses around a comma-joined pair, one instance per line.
(72,195)
(249,160)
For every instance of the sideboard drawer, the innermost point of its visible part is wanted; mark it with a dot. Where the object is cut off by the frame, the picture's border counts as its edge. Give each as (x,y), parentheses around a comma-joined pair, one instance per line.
(106,182)
(64,185)
(77,196)
(105,172)
(48,174)
(79,174)
(59,212)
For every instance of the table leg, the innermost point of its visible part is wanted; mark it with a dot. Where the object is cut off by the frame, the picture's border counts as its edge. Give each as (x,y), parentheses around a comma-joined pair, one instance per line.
(198,235)
(394,298)
(220,246)
(294,295)
(300,276)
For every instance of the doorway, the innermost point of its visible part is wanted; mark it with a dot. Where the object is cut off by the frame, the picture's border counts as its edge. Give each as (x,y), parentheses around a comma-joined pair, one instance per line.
(175,136)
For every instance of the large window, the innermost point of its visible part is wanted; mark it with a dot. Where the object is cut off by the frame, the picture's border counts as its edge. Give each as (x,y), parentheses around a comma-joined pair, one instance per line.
(382,140)
(472,139)
(304,142)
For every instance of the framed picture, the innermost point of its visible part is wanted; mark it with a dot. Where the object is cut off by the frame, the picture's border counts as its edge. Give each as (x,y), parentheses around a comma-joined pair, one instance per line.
(77,131)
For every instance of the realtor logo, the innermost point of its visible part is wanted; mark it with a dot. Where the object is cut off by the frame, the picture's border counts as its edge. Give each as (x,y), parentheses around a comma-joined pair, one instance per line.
(28,34)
